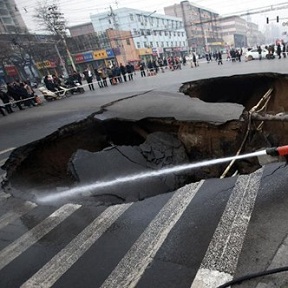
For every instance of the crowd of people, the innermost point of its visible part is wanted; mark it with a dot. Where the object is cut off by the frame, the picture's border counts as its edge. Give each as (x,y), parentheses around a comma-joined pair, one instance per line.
(21,94)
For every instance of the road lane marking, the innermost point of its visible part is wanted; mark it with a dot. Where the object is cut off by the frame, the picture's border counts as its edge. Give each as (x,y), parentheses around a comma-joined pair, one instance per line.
(17,212)
(7,150)
(16,248)
(132,266)
(62,261)
(220,261)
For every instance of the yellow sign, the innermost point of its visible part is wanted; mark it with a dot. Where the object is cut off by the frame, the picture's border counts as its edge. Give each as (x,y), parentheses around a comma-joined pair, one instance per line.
(145,51)
(100,54)
(45,64)
(216,43)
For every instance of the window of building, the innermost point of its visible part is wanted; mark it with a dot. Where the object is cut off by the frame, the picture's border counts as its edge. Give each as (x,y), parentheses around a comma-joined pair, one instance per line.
(138,45)
(7,20)
(184,44)
(139,18)
(4,12)
(171,43)
(166,33)
(151,44)
(131,17)
(128,41)
(155,33)
(162,44)
(157,43)
(167,44)
(178,34)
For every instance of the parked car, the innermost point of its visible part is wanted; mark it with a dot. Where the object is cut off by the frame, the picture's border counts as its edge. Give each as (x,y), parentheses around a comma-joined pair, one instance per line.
(253,54)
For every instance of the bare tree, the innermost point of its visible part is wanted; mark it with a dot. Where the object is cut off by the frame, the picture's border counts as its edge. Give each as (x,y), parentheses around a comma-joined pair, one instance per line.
(52,20)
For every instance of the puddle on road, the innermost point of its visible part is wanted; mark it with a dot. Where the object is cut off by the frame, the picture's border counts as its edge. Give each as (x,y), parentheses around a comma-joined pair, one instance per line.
(94,149)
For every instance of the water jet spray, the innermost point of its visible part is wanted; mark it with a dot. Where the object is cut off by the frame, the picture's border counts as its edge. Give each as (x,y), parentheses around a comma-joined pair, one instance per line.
(88,189)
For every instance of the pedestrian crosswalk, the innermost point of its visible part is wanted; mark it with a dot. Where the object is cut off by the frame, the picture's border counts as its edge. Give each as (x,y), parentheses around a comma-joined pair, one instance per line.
(189,238)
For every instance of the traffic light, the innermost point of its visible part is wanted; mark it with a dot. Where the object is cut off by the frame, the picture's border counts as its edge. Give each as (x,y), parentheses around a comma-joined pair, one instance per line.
(277,19)
(267,20)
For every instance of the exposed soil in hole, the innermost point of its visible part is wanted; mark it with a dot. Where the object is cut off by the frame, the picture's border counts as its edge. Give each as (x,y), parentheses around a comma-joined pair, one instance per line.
(46,163)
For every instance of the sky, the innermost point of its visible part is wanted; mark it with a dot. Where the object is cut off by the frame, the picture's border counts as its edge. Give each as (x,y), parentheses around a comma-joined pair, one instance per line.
(79,11)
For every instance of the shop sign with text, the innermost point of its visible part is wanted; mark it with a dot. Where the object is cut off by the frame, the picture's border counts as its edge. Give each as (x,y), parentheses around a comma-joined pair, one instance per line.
(100,54)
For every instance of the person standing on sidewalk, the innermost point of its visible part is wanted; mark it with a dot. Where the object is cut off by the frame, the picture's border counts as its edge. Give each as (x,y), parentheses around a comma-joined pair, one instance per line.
(5,99)
(89,78)
(219,58)
(123,71)
(260,52)
(142,69)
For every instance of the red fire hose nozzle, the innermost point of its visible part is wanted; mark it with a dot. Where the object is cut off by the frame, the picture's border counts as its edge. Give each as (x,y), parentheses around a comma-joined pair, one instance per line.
(277,151)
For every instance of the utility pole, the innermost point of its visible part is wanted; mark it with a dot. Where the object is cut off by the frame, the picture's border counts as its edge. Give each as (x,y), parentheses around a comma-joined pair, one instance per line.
(119,38)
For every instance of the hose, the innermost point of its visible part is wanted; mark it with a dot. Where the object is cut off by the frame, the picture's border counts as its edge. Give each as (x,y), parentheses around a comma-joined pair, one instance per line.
(239,280)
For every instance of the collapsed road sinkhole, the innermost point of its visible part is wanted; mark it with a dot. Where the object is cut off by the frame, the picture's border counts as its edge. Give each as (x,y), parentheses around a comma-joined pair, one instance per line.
(93,150)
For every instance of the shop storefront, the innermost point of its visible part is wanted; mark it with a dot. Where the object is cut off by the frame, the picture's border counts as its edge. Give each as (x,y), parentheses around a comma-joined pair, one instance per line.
(48,67)
(145,54)
(103,57)
(8,73)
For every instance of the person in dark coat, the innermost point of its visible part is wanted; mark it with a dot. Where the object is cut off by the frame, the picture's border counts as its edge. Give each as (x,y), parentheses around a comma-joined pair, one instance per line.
(12,92)
(98,77)
(123,72)
(284,49)
(130,71)
(77,77)
(279,51)
(50,85)
(5,99)
(259,52)
(20,88)
(142,69)
(219,58)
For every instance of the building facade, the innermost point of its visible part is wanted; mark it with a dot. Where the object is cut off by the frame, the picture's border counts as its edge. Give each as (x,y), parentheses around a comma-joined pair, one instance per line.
(201,26)
(10,18)
(153,34)
(234,31)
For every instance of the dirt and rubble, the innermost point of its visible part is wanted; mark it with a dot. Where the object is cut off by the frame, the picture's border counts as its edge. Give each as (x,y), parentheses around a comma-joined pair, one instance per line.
(92,149)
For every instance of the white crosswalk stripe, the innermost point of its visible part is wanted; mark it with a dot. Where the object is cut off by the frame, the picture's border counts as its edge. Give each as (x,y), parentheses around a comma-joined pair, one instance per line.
(219,263)
(217,267)
(130,269)
(29,238)
(59,264)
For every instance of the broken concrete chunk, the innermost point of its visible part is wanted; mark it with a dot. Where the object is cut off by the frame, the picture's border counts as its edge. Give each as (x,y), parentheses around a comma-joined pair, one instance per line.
(128,162)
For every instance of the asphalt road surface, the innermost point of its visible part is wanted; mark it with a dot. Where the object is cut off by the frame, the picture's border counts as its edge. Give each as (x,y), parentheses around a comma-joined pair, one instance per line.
(201,235)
